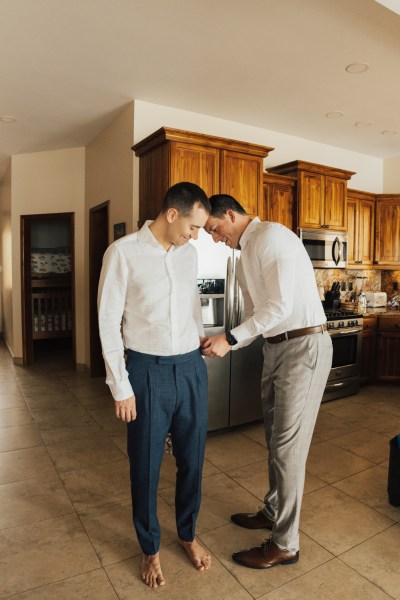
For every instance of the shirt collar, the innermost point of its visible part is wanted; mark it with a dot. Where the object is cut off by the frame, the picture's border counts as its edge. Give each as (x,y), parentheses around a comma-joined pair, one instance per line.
(145,236)
(251,227)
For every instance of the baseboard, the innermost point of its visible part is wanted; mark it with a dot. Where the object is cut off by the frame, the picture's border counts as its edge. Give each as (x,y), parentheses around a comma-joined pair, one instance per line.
(18,360)
(81,367)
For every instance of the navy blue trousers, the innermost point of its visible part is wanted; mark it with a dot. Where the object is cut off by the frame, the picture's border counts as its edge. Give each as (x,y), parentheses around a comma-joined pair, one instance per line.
(171,396)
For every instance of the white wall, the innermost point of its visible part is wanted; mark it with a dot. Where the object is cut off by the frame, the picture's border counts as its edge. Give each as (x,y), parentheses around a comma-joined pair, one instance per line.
(49,182)
(6,260)
(391,176)
(369,170)
(109,177)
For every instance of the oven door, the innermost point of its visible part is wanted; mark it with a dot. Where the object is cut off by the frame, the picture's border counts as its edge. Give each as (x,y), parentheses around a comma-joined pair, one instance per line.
(346,352)
(344,376)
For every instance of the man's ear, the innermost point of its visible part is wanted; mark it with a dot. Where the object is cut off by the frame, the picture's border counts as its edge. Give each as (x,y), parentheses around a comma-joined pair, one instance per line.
(231,215)
(172,215)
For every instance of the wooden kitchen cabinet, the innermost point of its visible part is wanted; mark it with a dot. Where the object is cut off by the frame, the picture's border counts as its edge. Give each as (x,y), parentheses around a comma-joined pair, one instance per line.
(361,229)
(321,194)
(369,349)
(387,231)
(217,165)
(389,348)
(279,200)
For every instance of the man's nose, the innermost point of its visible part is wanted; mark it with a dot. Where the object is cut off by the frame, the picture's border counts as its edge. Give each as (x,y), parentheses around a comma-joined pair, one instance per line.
(215,236)
(194,234)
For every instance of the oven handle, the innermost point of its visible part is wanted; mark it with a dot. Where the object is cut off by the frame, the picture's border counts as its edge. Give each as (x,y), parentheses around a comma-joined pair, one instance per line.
(330,386)
(349,331)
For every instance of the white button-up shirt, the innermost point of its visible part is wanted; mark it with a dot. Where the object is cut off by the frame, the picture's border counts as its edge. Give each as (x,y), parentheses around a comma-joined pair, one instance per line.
(278,283)
(148,301)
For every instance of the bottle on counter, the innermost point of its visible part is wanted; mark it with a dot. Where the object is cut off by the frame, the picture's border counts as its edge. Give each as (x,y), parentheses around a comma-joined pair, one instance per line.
(361,302)
(361,297)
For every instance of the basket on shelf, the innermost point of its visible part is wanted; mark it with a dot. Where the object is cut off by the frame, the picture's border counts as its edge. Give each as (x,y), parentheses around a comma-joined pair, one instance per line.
(349,306)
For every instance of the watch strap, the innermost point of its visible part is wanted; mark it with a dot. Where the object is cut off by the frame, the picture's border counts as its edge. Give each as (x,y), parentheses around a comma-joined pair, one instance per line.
(232,341)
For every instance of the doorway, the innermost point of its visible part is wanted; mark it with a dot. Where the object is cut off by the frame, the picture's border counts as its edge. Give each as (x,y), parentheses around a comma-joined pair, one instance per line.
(47,287)
(98,244)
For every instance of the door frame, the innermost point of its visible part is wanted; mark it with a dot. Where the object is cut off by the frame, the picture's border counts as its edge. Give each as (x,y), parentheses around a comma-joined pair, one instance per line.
(96,251)
(26,287)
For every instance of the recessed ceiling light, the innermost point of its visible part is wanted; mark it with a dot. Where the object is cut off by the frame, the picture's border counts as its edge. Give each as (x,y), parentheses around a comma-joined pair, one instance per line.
(7,119)
(357,68)
(389,132)
(363,124)
(334,114)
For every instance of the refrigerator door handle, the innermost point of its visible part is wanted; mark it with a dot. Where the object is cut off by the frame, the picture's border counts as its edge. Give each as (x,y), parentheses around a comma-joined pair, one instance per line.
(238,301)
(228,296)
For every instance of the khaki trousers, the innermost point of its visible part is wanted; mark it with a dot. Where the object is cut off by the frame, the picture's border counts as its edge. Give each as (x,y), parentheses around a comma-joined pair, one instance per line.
(293,382)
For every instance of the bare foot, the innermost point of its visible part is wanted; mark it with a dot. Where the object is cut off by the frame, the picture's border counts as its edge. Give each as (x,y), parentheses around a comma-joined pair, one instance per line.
(151,570)
(199,557)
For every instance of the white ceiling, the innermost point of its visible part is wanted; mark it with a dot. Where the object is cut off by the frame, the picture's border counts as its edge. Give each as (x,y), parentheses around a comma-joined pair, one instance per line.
(68,67)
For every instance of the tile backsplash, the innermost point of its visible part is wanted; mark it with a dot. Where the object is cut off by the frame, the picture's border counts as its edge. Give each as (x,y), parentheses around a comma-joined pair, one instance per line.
(370,280)
(388,278)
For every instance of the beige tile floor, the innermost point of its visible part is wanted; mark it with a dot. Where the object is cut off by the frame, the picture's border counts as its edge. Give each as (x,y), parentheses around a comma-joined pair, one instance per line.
(65,525)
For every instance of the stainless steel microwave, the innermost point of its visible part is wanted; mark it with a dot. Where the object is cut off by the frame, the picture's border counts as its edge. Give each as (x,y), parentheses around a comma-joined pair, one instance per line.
(326,249)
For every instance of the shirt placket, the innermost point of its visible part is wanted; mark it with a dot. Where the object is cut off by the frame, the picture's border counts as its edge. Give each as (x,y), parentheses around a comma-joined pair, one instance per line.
(174,309)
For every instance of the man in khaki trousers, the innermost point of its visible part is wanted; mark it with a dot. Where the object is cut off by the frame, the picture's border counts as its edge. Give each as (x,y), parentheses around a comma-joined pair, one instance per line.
(282,304)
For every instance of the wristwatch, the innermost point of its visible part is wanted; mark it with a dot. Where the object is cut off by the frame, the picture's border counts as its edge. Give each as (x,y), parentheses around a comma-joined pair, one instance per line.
(232,341)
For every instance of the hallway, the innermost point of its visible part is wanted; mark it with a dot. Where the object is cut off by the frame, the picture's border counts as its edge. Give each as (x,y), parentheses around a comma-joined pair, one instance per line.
(65,525)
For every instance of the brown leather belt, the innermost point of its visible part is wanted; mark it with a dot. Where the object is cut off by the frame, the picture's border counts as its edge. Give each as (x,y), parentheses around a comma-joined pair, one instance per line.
(288,335)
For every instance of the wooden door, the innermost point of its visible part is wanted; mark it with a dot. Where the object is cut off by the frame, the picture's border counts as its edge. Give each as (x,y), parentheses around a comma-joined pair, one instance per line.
(196,164)
(279,205)
(387,242)
(310,200)
(352,231)
(241,177)
(369,348)
(388,356)
(26,290)
(366,232)
(335,216)
(98,243)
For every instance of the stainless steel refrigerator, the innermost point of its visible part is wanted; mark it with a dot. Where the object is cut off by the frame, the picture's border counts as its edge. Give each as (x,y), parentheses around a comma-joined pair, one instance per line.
(235,380)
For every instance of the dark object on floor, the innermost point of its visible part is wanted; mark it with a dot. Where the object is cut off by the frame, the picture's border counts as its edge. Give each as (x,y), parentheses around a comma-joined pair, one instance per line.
(265,556)
(257,520)
(394,471)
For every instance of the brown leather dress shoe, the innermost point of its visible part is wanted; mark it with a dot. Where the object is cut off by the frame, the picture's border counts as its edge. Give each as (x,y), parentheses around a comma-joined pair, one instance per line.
(252,521)
(265,556)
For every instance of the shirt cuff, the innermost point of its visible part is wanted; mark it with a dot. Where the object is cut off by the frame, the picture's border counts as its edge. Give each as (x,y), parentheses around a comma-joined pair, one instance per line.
(121,391)
(241,334)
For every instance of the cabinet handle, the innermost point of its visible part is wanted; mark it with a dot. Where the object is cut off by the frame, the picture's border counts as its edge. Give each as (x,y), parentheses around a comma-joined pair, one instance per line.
(397,324)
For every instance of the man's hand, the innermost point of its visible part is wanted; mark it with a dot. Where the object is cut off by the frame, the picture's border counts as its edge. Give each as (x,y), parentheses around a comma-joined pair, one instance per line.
(215,346)
(126,409)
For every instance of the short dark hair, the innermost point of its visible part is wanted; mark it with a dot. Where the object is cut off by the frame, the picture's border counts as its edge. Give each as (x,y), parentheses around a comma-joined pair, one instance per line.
(220,203)
(183,196)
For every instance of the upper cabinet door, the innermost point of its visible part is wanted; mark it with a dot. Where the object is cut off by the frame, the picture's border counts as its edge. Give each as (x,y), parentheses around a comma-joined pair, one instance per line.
(196,164)
(311,200)
(387,243)
(352,229)
(279,200)
(241,177)
(335,216)
(366,232)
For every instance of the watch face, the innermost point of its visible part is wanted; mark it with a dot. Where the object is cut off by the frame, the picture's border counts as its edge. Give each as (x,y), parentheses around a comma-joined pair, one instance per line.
(231,339)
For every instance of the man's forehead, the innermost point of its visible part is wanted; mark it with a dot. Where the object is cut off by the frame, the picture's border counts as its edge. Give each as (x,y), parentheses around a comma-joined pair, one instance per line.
(213,221)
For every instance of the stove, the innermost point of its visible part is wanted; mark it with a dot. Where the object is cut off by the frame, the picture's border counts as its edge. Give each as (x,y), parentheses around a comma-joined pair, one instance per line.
(341,319)
(345,329)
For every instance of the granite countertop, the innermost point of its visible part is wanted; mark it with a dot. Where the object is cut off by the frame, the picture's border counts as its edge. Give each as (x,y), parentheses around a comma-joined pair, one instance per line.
(384,312)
